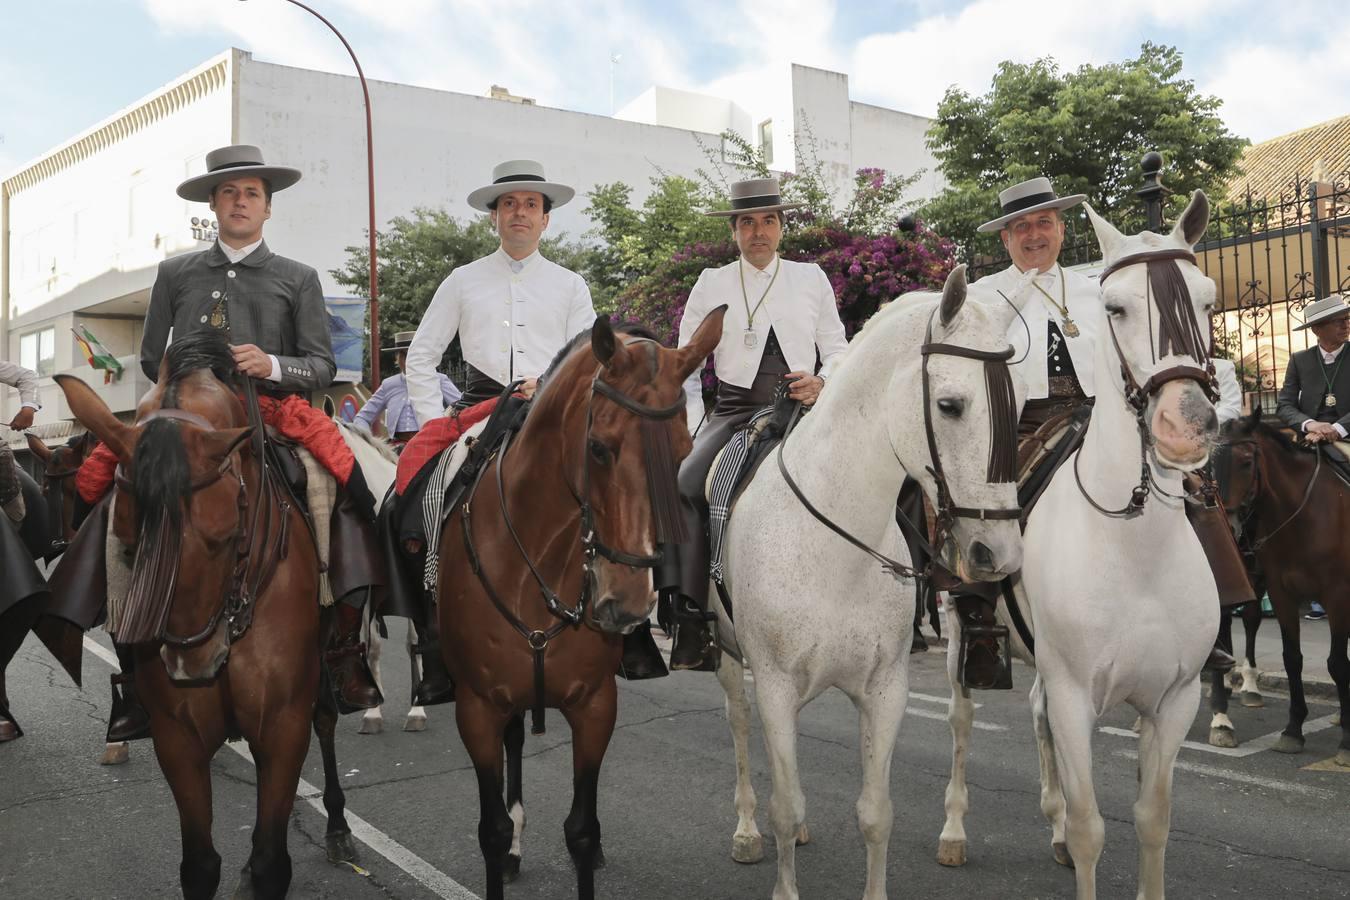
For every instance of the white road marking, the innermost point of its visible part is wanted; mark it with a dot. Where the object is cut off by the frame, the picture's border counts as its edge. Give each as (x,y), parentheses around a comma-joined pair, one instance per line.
(425,873)
(1255,745)
(933,698)
(942,717)
(1273,784)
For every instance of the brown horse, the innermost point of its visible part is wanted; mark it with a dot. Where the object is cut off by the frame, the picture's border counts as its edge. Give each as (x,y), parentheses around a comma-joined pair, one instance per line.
(581,503)
(231,648)
(1296,512)
(59,467)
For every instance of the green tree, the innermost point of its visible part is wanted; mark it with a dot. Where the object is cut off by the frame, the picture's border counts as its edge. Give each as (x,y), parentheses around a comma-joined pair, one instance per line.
(1086,130)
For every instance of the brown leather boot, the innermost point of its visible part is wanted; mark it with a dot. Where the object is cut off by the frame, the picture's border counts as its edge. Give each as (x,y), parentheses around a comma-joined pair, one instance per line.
(434,684)
(693,647)
(347,666)
(984,665)
(128,720)
(1219,661)
(641,657)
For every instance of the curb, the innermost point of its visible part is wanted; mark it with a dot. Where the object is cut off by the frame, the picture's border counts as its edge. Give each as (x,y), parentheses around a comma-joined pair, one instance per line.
(1312,687)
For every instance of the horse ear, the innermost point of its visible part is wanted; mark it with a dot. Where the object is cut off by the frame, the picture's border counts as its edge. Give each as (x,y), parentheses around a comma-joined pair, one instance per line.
(1108,236)
(1022,292)
(702,344)
(603,342)
(953,295)
(1255,418)
(35,444)
(1190,228)
(219,444)
(94,414)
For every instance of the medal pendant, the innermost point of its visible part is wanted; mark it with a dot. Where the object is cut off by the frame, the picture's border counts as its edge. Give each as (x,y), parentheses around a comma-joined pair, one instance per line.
(1331,399)
(1070,328)
(750,339)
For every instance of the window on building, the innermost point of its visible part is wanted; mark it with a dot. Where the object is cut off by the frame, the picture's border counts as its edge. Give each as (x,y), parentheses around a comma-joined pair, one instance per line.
(766,140)
(37,351)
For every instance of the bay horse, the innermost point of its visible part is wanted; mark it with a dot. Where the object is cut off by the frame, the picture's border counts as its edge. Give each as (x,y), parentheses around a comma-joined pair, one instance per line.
(1122,603)
(232,650)
(577,508)
(812,609)
(1296,511)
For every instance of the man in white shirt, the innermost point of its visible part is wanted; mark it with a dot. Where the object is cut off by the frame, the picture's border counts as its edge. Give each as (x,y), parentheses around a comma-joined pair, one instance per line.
(513,310)
(780,316)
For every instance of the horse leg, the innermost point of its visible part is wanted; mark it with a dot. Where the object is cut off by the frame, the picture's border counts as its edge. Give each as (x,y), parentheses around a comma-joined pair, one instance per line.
(515,796)
(960,716)
(1338,665)
(779,707)
(1291,740)
(592,726)
(1072,718)
(1221,732)
(186,765)
(880,711)
(372,721)
(747,845)
(337,835)
(1052,792)
(1250,691)
(416,720)
(278,754)
(482,729)
(1159,742)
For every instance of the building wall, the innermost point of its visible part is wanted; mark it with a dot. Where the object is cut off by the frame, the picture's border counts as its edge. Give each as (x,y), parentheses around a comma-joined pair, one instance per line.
(899,138)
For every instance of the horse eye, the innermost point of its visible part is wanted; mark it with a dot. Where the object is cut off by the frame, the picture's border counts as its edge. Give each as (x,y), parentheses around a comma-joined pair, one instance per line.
(952,408)
(599,452)
(1115,312)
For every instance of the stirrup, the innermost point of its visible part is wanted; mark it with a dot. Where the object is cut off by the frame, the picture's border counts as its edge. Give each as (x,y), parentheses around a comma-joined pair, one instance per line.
(999,678)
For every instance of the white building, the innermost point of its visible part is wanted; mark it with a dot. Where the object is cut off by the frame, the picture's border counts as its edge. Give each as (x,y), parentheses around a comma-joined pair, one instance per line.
(83,228)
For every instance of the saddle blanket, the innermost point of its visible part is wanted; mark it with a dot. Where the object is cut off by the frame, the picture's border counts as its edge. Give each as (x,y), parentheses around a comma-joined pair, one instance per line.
(724,478)
(435,508)
(434,437)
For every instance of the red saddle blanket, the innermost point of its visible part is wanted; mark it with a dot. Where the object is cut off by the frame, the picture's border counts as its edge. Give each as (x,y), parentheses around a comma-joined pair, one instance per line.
(434,437)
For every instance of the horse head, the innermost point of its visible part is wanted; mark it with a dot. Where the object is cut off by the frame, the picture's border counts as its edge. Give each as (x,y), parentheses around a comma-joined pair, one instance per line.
(968,463)
(180,502)
(59,466)
(1157,305)
(618,409)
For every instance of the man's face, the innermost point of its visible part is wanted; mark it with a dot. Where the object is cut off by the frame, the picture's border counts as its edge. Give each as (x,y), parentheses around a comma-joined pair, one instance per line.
(401,360)
(758,234)
(520,220)
(1033,240)
(241,207)
(1332,334)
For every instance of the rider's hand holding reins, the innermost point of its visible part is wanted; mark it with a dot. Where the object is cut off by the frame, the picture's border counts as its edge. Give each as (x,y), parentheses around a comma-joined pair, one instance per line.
(1321,431)
(23,420)
(528,387)
(804,386)
(251,360)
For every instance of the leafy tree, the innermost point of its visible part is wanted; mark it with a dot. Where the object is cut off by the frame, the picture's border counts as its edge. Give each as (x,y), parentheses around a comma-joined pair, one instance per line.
(1086,130)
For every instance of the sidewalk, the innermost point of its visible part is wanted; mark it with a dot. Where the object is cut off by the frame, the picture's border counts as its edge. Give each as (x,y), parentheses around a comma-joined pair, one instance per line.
(1314,640)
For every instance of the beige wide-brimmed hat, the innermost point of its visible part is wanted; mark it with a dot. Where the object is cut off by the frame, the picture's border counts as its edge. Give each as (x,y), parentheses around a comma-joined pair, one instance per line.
(402,341)
(519,175)
(1029,196)
(1329,307)
(236,161)
(754,195)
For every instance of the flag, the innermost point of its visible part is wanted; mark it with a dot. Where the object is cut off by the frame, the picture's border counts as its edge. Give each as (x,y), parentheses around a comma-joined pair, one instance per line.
(98,355)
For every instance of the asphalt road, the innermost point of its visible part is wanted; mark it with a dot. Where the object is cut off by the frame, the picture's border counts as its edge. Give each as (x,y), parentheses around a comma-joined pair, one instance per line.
(1250,823)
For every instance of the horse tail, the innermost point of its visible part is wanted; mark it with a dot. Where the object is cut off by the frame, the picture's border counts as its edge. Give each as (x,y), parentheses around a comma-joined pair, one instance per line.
(161,481)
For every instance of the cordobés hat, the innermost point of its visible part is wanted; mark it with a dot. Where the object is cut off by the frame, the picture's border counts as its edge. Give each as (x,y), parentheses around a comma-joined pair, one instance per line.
(519,175)
(1330,307)
(402,341)
(1029,196)
(754,195)
(236,161)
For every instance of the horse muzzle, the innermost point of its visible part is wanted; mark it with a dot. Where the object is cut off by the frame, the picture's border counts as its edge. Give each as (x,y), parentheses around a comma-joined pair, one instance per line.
(201,662)
(1183,424)
(993,554)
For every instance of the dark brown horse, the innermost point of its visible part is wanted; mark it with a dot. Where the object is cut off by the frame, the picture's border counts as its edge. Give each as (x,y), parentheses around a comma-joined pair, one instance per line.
(223,608)
(1296,512)
(59,467)
(576,509)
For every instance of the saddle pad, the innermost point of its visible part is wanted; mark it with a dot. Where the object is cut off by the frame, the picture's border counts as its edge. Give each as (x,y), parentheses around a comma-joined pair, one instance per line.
(724,477)
(1040,455)
(435,508)
(321,497)
(434,437)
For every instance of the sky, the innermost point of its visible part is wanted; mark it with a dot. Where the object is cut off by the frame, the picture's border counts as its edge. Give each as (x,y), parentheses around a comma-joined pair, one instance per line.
(68,64)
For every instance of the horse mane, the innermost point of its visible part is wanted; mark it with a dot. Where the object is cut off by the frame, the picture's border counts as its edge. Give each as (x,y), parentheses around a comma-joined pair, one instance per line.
(205,349)
(1249,426)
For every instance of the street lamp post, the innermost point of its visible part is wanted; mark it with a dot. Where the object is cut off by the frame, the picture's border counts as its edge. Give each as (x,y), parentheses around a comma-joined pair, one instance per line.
(370,182)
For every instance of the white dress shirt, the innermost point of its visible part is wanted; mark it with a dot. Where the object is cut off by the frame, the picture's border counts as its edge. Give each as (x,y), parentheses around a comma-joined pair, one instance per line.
(237,256)
(1083,299)
(800,308)
(25,381)
(510,323)
(1229,406)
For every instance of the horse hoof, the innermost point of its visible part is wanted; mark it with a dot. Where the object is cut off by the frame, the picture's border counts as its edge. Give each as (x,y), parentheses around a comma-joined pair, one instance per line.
(1062,854)
(415,723)
(340,847)
(371,725)
(114,754)
(951,853)
(803,835)
(1222,737)
(1252,700)
(510,869)
(747,848)
(8,731)
(1287,744)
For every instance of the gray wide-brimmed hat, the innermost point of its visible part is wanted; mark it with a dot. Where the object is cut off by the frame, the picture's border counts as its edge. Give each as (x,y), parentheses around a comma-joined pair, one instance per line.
(1029,196)
(402,341)
(236,161)
(519,175)
(1330,307)
(754,195)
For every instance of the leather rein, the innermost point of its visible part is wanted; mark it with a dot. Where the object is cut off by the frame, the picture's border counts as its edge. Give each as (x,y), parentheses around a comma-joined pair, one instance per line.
(591,544)
(947,512)
(1137,395)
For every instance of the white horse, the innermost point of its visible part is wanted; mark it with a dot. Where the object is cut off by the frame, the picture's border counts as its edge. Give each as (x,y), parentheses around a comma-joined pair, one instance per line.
(379,463)
(1124,610)
(813,611)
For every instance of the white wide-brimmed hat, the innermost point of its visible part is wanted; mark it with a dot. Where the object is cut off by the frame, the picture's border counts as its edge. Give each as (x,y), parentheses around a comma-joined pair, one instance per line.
(754,195)
(1330,307)
(519,175)
(236,161)
(1029,196)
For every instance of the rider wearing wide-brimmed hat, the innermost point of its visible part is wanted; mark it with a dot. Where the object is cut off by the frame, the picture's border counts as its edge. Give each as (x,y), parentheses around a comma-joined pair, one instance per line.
(780,316)
(391,398)
(1315,396)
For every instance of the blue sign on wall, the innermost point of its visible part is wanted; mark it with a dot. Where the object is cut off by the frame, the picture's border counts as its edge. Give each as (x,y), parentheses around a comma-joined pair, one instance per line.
(347,325)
